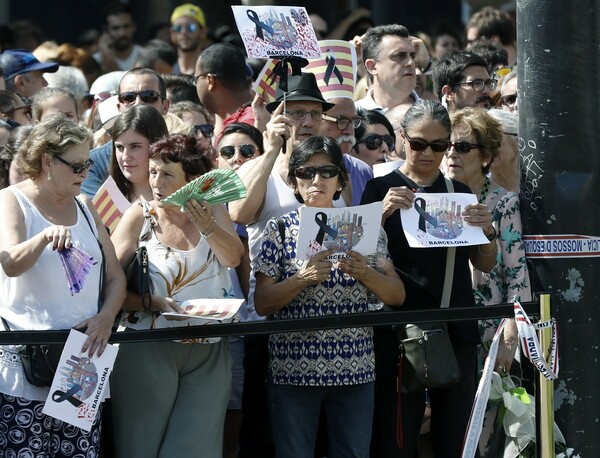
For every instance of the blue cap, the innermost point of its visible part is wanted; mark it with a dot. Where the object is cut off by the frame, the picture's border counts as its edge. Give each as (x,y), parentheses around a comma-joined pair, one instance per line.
(18,61)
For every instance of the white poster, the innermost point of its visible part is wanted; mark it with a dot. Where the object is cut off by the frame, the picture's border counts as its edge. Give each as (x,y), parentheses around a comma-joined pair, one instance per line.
(270,31)
(79,384)
(339,229)
(383,168)
(208,309)
(435,220)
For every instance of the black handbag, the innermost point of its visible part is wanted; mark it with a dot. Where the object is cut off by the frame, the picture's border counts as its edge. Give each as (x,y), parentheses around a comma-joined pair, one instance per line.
(138,272)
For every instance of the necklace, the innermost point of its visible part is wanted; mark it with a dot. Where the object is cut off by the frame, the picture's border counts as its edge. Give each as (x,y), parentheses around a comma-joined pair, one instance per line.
(484,190)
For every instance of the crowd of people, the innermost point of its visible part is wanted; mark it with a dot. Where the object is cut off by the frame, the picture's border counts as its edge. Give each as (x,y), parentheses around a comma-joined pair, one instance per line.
(153,118)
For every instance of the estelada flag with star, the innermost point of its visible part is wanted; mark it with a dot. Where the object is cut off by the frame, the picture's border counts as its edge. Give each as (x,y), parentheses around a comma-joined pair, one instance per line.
(336,69)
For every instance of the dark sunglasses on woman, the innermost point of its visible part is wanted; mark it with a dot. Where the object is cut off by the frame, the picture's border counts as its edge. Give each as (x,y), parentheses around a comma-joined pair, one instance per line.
(374,141)
(325,171)
(464,147)
(246,151)
(147,96)
(77,168)
(205,129)
(421,145)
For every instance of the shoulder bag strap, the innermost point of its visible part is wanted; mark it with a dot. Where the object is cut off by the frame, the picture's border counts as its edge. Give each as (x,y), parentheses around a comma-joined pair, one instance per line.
(450,256)
(103,263)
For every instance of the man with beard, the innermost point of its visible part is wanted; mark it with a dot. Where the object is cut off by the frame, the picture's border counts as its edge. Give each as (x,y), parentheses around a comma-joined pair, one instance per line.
(117,50)
(339,123)
(461,79)
(188,34)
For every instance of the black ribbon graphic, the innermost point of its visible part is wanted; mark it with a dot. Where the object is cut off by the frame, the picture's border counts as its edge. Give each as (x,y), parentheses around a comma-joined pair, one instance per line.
(321,220)
(331,68)
(260,26)
(60,396)
(420,206)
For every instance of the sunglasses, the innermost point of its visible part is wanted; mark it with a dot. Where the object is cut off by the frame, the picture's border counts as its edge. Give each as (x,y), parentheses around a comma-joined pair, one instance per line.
(77,168)
(190,28)
(205,129)
(464,147)
(421,145)
(342,123)
(246,151)
(374,141)
(325,171)
(509,100)
(147,96)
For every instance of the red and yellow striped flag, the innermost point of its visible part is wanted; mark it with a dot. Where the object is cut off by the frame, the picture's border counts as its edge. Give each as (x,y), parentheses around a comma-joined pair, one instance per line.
(110,204)
(335,70)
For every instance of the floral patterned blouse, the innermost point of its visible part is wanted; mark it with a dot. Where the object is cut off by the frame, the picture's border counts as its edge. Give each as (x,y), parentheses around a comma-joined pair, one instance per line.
(331,357)
(509,278)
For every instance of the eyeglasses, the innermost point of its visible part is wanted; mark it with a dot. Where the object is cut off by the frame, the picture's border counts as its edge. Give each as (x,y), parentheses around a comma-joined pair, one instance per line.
(509,100)
(77,168)
(205,129)
(202,75)
(26,110)
(325,171)
(147,96)
(421,145)
(246,151)
(190,28)
(300,115)
(374,141)
(342,122)
(478,85)
(464,147)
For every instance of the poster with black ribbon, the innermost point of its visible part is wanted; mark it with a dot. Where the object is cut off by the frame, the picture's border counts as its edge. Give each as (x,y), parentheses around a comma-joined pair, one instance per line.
(80,383)
(339,229)
(269,31)
(435,220)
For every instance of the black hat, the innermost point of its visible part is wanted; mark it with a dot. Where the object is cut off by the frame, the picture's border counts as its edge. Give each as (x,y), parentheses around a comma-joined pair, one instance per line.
(300,88)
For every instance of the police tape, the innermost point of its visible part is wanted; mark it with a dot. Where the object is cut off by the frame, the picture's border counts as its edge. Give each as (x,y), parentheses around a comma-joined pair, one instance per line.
(561,246)
(382,318)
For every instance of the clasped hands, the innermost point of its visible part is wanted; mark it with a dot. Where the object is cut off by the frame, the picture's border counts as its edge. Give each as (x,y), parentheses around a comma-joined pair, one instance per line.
(318,268)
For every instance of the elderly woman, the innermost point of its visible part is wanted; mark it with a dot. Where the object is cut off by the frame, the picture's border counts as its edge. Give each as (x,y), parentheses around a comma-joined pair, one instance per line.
(133,132)
(43,216)
(187,383)
(331,369)
(426,137)
(476,139)
(375,138)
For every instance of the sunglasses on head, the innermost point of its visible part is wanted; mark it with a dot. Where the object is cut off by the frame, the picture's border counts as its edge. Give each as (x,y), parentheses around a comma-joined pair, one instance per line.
(421,145)
(205,129)
(77,168)
(374,141)
(325,171)
(463,147)
(147,96)
(246,151)
(191,28)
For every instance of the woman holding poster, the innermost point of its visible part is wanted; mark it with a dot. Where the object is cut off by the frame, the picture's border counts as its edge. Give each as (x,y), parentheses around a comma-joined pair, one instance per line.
(50,278)
(426,137)
(331,369)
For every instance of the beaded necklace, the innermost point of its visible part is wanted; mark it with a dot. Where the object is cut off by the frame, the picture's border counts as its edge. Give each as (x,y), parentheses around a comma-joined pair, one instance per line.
(484,190)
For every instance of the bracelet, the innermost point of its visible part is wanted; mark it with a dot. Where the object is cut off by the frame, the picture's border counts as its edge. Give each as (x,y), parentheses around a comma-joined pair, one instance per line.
(494,235)
(210,231)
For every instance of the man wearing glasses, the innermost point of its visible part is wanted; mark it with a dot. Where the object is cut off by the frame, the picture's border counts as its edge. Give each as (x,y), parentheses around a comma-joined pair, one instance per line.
(188,34)
(140,86)
(461,79)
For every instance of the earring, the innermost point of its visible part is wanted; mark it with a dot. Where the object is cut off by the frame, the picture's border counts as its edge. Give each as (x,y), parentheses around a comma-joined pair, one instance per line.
(484,165)
(339,189)
(49,176)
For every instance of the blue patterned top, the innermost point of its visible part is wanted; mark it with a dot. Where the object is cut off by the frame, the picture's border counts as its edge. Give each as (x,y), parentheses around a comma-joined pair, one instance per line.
(332,357)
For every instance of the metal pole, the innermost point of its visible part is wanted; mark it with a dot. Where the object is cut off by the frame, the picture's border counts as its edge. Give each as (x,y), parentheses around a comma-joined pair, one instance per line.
(545,398)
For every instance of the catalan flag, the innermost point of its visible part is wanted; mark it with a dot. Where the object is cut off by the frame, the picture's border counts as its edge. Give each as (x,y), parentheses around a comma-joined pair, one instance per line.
(335,70)
(110,204)
(267,81)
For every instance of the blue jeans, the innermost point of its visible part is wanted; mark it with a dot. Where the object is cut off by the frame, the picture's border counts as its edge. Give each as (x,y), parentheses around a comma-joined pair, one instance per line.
(295,412)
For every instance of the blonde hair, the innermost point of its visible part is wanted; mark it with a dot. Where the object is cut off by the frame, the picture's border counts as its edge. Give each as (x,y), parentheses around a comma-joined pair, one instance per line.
(487,130)
(175,125)
(53,136)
